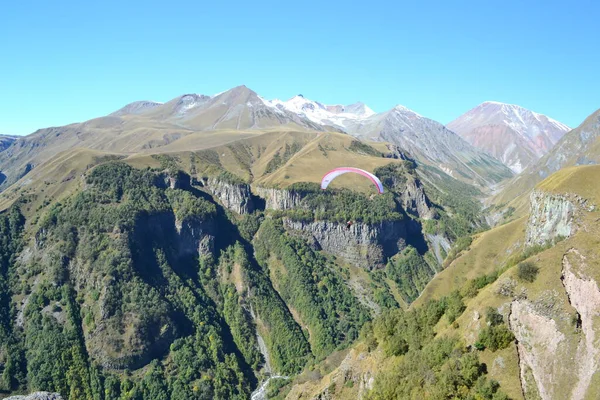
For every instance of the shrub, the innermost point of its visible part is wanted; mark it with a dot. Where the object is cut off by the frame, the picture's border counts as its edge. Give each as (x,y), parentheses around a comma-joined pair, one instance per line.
(527,271)
(496,337)
(454,306)
(472,287)
(493,316)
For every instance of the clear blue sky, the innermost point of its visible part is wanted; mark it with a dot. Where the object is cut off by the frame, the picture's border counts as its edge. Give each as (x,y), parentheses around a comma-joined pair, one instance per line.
(69,61)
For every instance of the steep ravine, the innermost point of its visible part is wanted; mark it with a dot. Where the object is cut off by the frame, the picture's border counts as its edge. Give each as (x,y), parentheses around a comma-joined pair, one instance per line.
(149,283)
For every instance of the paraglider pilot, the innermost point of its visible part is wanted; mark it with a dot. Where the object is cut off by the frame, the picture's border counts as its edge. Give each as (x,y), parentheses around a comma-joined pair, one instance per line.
(334,173)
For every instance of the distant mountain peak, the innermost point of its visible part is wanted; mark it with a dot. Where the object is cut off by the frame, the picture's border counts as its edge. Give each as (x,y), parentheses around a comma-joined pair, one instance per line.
(405,110)
(511,133)
(514,108)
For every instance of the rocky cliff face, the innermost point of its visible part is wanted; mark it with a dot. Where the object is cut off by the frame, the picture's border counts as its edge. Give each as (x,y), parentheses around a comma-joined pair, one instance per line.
(146,336)
(584,296)
(37,396)
(415,201)
(366,246)
(279,199)
(551,216)
(235,197)
(559,353)
(541,347)
(554,215)
(196,237)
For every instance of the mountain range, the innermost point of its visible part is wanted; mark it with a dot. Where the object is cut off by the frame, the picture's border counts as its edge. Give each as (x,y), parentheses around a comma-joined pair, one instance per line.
(187,121)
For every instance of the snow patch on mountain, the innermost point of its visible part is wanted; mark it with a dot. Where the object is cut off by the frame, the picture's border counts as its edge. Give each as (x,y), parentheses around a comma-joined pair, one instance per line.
(403,109)
(338,115)
(188,102)
(512,134)
(526,121)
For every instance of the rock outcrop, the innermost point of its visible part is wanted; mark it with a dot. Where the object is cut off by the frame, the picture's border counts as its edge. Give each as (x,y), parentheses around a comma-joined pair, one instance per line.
(196,237)
(364,245)
(234,197)
(279,199)
(551,216)
(192,236)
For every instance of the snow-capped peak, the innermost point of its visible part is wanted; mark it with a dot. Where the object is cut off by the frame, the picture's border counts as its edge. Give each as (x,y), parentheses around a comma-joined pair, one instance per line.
(299,104)
(405,110)
(519,117)
(320,113)
(513,134)
(360,109)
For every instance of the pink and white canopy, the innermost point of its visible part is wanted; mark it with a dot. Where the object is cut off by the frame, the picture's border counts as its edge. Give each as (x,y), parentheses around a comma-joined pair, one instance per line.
(334,173)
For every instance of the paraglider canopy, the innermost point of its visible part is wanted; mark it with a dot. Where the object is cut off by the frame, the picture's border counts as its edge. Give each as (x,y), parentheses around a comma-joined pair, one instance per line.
(334,173)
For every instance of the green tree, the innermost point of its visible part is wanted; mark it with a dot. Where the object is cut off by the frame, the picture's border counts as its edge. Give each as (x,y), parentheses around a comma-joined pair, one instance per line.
(527,271)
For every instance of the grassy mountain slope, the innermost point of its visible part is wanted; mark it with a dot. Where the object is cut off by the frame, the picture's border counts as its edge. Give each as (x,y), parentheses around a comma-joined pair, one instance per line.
(527,311)
(6,141)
